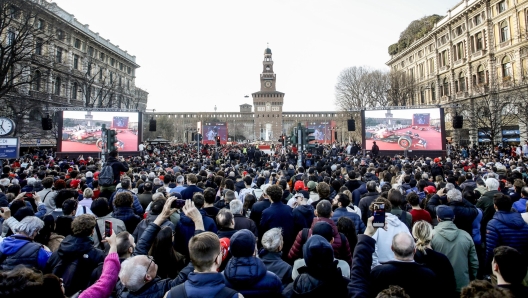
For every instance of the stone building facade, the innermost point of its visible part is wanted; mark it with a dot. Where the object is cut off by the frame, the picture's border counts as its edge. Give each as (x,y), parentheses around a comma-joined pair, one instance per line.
(265,120)
(479,49)
(77,68)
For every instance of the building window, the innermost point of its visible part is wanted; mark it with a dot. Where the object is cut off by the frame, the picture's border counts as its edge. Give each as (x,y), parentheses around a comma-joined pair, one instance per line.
(100,74)
(501,6)
(506,68)
(128,69)
(58,57)
(75,62)
(504,31)
(431,65)
(37,80)
(479,44)
(60,34)
(433,93)
(422,95)
(89,71)
(445,87)
(459,51)
(480,75)
(58,83)
(102,56)
(111,77)
(40,24)
(461,83)
(90,51)
(75,88)
(120,66)
(11,37)
(112,61)
(77,43)
(477,20)
(38,46)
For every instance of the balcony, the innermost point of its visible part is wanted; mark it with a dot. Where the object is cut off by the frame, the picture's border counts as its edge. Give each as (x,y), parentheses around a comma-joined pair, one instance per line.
(505,44)
(38,94)
(59,99)
(445,99)
(77,73)
(460,61)
(41,59)
(462,94)
(444,68)
(478,54)
(61,67)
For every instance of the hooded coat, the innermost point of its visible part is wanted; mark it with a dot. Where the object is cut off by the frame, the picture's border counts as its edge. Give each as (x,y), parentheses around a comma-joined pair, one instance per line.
(509,229)
(18,249)
(459,248)
(383,252)
(249,276)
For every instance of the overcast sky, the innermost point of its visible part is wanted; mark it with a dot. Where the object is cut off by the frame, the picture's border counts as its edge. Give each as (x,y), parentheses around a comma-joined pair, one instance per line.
(196,54)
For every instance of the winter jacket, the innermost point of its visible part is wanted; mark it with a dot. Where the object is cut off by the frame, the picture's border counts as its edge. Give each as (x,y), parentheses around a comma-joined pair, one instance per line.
(127,215)
(189,191)
(383,252)
(278,215)
(339,212)
(340,252)
(71,249)
(202,285)
(274,263)
(465,214)
(249,276)
(357,193)
(303,216)
(520,205)
(475,232)
(485,203)
(508,229)
(145,222)
(318,284)
(242,222)
(138,209)
(106,283)
(117,168)
(468,183)
(257,209)
(364,205)
(47,197)
(185,231)
(441,267)
(20,250)
(459,248)
(397,273)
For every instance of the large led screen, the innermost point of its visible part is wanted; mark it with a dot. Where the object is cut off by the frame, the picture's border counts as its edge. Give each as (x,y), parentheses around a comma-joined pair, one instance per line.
(408,129)
(324,131)
(213,129)
(81,130)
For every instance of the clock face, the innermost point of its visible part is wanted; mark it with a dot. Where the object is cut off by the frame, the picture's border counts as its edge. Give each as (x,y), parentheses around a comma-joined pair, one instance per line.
(267,67)
(7,126)
(267,84)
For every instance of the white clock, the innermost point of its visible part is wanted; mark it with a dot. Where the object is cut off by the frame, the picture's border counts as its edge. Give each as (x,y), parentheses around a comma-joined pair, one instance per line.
(268,84)
(7,126)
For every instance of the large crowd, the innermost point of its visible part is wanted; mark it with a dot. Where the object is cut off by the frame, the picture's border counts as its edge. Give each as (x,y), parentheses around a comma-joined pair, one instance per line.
(238,221)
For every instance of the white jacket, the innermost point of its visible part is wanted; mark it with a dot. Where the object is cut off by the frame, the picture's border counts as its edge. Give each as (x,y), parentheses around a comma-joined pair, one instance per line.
(383,252)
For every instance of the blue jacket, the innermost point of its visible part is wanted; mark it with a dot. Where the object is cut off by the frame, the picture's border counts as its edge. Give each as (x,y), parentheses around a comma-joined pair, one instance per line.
(356,194)
(138,209)
(189,191)
(249,276)
(358,223)
(127,215)
(278,215)
(185,231)
(476,228)
(509,229)
(520,205)
(11,245)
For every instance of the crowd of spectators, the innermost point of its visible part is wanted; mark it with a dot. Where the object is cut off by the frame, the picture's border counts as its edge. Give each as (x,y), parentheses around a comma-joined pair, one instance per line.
(238,221)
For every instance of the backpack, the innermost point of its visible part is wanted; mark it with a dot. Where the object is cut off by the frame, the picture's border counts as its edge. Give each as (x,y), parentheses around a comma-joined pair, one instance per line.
(179,291)
(74,273)
(106,176)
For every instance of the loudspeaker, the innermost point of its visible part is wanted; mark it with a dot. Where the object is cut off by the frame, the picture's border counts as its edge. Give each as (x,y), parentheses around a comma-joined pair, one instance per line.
(351,125)
(152,125)
(458,122)
(47,123)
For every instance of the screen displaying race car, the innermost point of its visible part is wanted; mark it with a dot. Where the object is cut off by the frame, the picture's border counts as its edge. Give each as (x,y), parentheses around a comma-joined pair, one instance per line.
(406,129)
(82,130)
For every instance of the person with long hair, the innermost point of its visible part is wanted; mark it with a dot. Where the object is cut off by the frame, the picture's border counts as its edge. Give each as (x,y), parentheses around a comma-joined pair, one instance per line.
(346,226)
(170,262)
(47,235)
(249,200)
(422,232)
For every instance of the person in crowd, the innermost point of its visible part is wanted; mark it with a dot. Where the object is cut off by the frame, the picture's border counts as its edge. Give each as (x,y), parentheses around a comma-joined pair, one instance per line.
(483,288)
(323,213)
(417,212)
(102,211)
(509,269)
(19,248)
(396,199)
(76,257)
(303,213)
(465,212)
(48,194)
(126,187)
(191,188)
(271,255)
(520,205)
(47,235)
(145,198)
(226,224)
(277,215)
(84,205)
(242,222)
(457,245)
(383,252)
(346,227)
(124,211)
(438,263)
(342,201)
(118,166)
(485,204)
(507,228)
(367,199)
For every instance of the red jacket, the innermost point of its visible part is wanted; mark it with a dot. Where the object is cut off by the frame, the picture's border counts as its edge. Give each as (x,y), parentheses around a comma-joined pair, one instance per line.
(341,253)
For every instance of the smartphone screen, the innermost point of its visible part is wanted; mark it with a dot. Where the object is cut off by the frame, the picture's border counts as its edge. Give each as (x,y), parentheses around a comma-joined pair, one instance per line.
(379,215)
(108,228)
(178,203)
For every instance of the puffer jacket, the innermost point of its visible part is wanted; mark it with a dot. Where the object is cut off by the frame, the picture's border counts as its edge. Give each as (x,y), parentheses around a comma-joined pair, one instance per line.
(249,276)
(18,249)
(341,253)
(465,214)
(509,229)
(360,226)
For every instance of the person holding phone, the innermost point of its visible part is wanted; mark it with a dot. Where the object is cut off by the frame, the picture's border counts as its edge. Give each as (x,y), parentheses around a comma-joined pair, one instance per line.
(383,252)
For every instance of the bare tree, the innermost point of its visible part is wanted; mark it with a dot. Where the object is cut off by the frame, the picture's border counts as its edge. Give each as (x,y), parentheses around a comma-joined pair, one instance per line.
(402,88)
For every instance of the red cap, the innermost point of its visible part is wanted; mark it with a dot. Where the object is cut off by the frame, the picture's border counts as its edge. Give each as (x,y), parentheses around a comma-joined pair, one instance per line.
(430,189)
(299,185)
(96,175)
